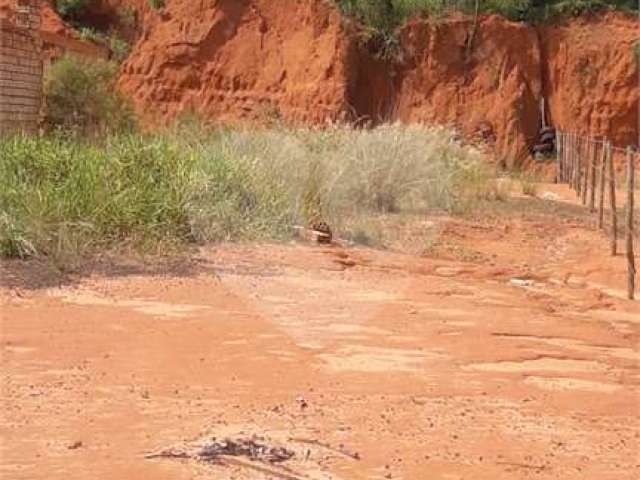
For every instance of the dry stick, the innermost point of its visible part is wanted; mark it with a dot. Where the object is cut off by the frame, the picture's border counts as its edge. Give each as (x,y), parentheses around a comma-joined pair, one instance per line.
(262,468)
(592,175)
(630,207)
(603,175)
(612,201)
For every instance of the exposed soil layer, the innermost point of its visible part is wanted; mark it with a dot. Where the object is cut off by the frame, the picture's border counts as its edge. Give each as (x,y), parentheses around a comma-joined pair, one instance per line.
(261,61)
(245,60)
(509,352)
(489,85)
(242,60)
(592,78)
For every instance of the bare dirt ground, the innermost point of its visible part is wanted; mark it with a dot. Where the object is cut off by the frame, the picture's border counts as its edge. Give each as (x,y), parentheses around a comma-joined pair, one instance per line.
(508,351)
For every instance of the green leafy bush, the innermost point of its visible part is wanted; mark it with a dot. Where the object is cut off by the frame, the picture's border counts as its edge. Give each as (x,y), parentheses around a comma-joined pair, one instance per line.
(380,19)
(71,9)
(81,95)
(157,4)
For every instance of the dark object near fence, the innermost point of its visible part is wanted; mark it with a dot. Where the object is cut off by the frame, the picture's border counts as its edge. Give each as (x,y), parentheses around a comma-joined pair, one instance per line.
(546,142)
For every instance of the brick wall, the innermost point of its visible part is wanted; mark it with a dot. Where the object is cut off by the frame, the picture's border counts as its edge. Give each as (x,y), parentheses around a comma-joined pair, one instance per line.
(20,72)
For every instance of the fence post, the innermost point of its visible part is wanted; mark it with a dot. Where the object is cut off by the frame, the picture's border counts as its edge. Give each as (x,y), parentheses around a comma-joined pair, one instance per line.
(592,175)
(630,210)
(578,167)
(572,180)
(565,157)
(612,201)
(568,173)
(603,175)
(585,170)
(572,159)
(558,156)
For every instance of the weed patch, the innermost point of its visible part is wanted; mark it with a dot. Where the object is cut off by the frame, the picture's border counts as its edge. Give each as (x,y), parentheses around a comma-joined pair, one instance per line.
(64,197)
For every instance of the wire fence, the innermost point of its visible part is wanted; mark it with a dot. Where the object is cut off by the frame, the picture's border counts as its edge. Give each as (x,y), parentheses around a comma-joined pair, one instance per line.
(599,172)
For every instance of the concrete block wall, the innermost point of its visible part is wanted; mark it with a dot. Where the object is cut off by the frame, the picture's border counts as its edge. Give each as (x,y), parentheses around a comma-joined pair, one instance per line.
(20,71)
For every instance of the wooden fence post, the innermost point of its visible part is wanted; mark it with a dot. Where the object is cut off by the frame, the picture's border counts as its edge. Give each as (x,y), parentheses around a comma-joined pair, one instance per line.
(558,157)
(579,161)
(592,176)
(573,162)
(603,176)
(570,159)
(565,157)
(612,201)
(630,210)
(576,164)
(586,168)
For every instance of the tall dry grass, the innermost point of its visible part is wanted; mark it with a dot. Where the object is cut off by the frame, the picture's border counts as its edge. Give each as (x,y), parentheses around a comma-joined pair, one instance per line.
(64,197)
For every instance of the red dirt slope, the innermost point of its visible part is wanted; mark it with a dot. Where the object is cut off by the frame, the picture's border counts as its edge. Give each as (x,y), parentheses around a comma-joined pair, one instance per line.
(260,60)
(242,60)
(490,89)
(592,77)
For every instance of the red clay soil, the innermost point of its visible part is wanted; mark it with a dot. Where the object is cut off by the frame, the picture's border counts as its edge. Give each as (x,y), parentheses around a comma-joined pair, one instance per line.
(254,60)
(259,61)
(592,78)
(242,60)
(507,353)
(490,89)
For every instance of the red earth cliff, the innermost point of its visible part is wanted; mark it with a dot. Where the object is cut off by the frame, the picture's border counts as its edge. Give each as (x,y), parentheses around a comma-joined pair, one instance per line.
(487,84)
(592,83)
(242,60)
(260,60)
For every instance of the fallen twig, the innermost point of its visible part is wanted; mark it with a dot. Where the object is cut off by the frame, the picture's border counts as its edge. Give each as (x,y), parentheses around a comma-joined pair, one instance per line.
(317,443)
(262,468)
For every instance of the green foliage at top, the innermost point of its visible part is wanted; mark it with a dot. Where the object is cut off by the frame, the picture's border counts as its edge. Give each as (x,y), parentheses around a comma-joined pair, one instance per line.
(71,9)
(157,4)
(381,18)
(387,15)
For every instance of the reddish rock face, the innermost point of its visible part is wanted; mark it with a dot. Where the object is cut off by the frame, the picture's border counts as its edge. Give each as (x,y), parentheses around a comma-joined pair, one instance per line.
(488,84)
(591,76)
(242,60)
(260,60)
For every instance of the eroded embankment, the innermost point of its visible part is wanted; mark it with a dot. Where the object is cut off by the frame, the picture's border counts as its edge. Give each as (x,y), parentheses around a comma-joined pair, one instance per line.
(254,60)
(265,60)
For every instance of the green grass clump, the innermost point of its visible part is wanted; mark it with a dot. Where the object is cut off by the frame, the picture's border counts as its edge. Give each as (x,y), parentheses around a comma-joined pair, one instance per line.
(64,197)
(71,10)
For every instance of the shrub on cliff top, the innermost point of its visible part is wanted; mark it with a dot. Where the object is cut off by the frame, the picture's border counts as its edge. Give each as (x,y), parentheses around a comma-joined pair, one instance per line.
(71,9)
(81,95)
